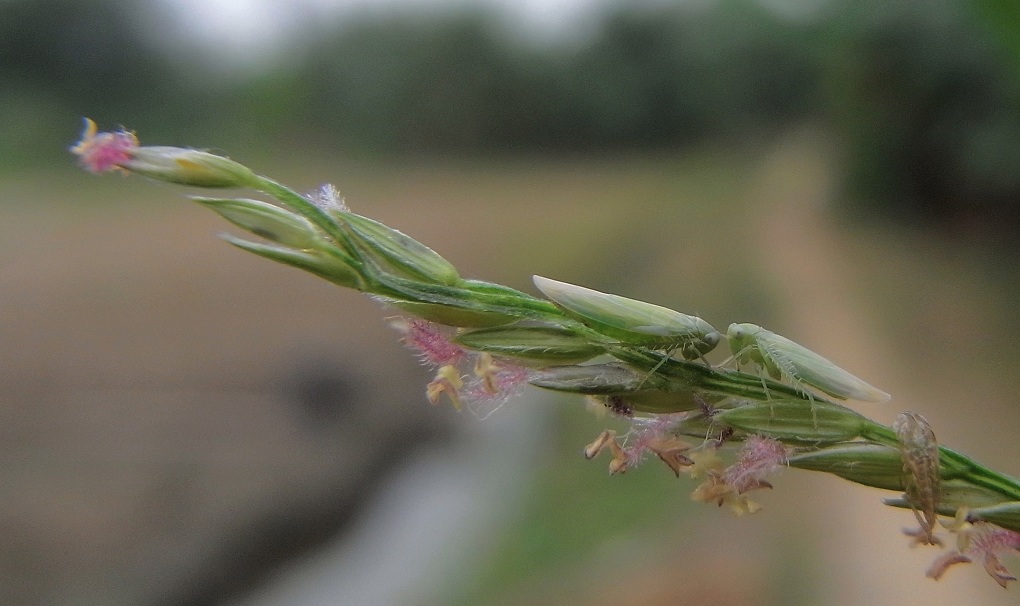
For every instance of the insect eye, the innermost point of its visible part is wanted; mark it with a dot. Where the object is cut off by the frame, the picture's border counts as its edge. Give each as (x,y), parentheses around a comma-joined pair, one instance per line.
(712,338)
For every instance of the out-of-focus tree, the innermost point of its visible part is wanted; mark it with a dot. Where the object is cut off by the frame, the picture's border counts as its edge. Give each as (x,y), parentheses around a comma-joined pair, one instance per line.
(675,76)
(924,96)
(459,83)
(928,107)
(407,85)
(1002,18)
(68,58)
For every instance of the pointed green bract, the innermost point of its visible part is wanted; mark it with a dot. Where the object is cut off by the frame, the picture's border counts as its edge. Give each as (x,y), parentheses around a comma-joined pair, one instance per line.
(189,167)
(321,264)
(669,402)
(639,391)
(596,379)
(631,321)
(1006,515)
(869,464)
(531,345)
(957,493)
(448,315)
(266,220)
(782,358)
(397,251)
(796,421)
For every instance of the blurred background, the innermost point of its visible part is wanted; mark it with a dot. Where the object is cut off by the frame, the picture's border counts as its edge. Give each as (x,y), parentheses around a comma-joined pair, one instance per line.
(183,423)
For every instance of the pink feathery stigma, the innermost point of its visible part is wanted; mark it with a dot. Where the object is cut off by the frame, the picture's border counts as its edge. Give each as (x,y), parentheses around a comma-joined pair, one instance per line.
(432,345)
(994,539)
(499,383)
(645,433)
(106,151)
(986,542)
(509,377)
(759,458)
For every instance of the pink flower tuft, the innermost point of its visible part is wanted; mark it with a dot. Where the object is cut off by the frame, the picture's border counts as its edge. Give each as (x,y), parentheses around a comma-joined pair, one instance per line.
(106,151)
(759,458)
(433,347)
(983,543)
(647,433)
(495,383)
(501,377)
(655,435)
(993,539)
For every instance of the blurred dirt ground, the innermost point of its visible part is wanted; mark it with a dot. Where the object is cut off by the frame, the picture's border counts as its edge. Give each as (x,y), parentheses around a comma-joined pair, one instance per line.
(175,416)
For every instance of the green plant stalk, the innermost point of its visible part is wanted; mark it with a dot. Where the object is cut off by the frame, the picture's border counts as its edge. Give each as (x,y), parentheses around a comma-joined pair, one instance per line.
(362,263)
(964,468)
(696,375)
(954,465)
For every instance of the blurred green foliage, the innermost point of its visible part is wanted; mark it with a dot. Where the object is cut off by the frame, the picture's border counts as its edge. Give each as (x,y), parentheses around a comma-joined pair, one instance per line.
(923,96)
(459,84)
(64,59)
(928,104)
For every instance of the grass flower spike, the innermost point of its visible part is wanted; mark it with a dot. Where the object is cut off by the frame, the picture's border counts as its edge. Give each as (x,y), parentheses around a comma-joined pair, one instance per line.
(644,365)
(107,151)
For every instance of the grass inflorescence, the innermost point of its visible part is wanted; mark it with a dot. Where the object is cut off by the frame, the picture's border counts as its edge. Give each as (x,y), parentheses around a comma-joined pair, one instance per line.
(731,425)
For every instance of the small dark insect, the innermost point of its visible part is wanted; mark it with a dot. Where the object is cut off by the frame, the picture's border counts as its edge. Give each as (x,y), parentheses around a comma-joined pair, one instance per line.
(620,407)
(724,436)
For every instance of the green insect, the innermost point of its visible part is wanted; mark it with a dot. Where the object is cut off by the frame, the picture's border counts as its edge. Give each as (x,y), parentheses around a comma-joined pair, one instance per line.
(781,357)
(633,322)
